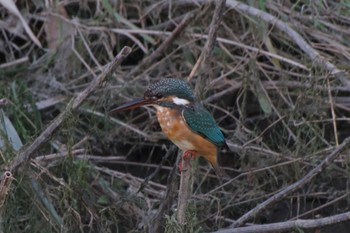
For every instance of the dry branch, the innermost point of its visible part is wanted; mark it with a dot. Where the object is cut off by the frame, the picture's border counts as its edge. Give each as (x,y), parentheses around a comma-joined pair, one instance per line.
(184,189)
(25,154)
(290,225)
(203,59)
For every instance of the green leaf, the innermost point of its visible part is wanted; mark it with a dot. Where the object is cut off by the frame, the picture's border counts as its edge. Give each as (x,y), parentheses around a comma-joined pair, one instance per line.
(8,130)
(103,200)
(258,89)
(263,99)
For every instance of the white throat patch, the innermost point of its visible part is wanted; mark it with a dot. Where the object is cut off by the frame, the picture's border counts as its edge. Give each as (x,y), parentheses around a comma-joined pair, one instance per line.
(180,101)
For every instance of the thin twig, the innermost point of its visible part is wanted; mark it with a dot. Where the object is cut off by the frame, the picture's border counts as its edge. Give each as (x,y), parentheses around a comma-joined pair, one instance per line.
(154,189)
(14,63)
(165,206)
(319,208)
(166,43)
(334,116)
(291,188)
(25,154)
(171,151)
(219,39)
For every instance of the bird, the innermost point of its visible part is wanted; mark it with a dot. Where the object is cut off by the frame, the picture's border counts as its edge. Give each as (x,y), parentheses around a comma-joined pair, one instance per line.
(183,119)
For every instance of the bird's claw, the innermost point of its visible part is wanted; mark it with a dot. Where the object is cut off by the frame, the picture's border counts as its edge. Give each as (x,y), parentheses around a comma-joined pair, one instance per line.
(189,154)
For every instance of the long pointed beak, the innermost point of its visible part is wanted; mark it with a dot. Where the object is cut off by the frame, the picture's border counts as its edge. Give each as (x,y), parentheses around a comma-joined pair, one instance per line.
(131,105)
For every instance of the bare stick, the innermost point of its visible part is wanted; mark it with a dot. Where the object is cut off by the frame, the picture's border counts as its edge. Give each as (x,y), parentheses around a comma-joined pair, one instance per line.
(25,154)
(208,48)
(291,188)
(184,190)
(290,225)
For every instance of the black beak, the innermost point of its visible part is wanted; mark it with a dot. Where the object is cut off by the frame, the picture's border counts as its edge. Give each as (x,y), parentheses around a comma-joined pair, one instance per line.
(131,105)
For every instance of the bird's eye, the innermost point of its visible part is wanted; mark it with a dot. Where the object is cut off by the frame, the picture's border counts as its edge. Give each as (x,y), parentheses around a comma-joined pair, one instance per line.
(159,96)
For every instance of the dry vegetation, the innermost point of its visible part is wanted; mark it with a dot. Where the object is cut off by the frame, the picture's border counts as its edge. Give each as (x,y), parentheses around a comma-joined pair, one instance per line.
(276,81)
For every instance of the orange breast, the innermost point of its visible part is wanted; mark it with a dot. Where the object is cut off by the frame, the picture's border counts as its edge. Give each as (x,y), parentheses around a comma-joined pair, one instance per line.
(178,132)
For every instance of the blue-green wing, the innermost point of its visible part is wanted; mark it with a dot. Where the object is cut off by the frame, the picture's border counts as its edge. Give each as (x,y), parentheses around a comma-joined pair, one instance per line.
(202,122)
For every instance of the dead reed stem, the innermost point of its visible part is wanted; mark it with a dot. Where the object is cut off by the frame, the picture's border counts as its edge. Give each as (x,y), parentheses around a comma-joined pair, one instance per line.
(6,180)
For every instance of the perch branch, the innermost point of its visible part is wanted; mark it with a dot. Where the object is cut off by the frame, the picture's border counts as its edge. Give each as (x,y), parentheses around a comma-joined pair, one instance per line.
(184,190)
(185,187)
(25,154)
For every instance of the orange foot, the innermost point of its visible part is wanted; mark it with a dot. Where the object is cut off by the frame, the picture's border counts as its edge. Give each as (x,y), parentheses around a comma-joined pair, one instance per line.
(189,154)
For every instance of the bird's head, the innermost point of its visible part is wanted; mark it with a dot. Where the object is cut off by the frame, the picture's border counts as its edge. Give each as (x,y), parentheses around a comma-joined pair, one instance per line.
(165,93)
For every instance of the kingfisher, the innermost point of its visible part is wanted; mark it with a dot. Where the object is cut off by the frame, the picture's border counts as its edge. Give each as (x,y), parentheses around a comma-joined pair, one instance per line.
(186,122)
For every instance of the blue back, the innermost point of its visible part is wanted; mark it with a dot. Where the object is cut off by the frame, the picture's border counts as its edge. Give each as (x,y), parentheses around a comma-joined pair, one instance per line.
(201,121)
